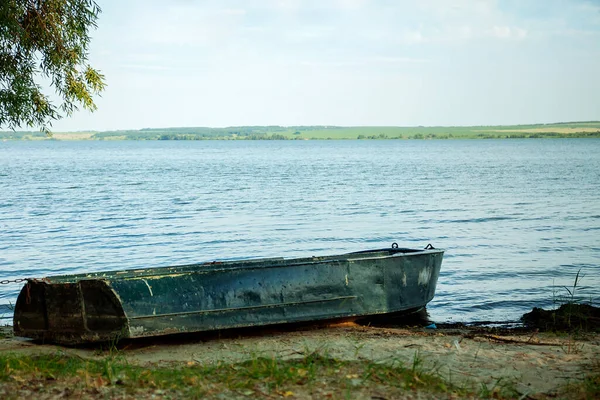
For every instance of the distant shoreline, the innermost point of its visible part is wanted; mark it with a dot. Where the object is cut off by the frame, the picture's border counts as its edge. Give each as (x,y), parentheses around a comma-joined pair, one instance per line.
(590,129)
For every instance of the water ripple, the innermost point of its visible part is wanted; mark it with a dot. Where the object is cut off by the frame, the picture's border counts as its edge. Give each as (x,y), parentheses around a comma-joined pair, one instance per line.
(518,219)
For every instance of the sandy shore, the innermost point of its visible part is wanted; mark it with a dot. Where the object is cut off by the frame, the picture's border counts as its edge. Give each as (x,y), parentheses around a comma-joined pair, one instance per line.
(533,363)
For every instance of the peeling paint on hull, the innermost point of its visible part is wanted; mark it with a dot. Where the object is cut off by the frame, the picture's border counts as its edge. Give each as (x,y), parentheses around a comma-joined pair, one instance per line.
(219,295)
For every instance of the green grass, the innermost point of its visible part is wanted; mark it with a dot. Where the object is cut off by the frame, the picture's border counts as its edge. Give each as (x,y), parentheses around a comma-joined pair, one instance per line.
(556,130)
(314,375)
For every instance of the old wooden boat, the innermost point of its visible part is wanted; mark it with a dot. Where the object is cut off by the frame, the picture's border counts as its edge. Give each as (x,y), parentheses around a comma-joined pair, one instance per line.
(105,306)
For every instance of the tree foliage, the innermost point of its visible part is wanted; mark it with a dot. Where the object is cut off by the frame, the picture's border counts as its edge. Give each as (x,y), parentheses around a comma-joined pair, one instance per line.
(46,40)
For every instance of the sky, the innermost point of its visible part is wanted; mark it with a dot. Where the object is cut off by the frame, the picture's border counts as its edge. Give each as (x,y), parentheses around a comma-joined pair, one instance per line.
(224,63)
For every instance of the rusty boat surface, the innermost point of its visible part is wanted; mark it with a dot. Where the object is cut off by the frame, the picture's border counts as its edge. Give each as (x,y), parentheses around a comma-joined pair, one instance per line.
(105,306)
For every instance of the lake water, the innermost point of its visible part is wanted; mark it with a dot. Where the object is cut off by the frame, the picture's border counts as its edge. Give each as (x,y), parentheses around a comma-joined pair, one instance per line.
(518,218)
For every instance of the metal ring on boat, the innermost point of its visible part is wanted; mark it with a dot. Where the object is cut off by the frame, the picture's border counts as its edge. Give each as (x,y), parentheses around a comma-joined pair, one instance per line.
(394,245)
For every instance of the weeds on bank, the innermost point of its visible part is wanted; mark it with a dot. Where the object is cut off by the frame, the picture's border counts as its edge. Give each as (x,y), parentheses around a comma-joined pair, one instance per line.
(501,389)
(588,388)
(3,328)
(313,375)
(574,313)
(571,315)
(5,317)
(572,346)
(569,302)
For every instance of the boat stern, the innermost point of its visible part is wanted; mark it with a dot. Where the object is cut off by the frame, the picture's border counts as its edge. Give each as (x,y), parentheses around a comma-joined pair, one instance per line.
(69,312)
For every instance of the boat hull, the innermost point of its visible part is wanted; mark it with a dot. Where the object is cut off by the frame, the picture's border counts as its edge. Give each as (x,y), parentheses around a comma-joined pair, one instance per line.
(97,307)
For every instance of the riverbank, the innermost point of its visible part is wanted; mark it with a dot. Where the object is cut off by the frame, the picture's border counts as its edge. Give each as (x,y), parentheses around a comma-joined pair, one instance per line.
(343,360)
(555,130)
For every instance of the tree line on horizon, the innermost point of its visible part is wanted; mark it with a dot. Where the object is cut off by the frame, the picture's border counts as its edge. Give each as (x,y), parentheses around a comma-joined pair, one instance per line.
(589,129)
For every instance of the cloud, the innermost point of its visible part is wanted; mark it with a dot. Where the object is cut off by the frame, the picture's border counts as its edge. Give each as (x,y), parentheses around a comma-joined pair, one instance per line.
(291,54)
(401,60)
(350,4)
(413,37)
(186,24)
(146,67)
(233,11)
(365,62)
(507,32)
(309,33)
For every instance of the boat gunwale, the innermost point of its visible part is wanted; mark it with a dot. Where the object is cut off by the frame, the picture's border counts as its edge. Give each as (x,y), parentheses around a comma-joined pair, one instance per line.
(236,265)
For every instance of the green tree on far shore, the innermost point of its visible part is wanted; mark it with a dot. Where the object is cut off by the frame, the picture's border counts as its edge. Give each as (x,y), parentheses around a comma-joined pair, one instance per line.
(46,40)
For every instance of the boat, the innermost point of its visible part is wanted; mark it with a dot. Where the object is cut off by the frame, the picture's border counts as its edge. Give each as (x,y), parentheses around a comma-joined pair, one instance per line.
(108,306)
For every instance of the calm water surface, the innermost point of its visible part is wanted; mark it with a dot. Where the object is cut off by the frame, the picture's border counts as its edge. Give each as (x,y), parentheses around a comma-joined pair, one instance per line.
(518,218)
